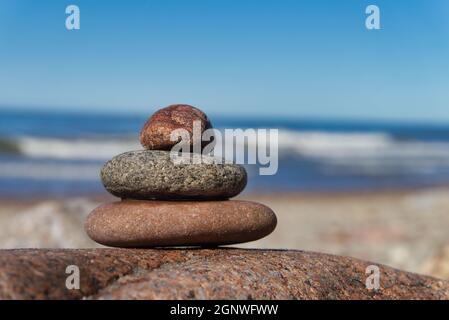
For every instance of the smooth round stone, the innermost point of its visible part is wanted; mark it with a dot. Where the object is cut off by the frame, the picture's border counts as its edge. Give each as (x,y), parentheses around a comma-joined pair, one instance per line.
(151,174)
(155,135)
(138,223)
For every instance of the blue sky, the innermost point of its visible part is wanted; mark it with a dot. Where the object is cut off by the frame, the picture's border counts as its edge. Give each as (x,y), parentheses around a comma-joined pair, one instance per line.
(285,58)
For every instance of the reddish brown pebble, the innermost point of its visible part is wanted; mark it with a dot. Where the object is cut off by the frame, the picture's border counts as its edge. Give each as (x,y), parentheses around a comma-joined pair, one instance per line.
(140,223)
(156,132)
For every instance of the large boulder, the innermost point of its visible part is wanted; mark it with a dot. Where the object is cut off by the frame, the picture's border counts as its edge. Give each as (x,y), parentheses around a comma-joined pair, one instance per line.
(203,274)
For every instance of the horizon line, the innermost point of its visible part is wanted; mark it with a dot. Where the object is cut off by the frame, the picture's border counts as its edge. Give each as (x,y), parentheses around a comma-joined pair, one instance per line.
(83,111)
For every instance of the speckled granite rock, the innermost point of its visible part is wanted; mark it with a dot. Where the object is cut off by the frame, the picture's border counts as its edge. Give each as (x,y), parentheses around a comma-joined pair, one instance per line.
(139,223)
(155,134)
(203,274)
(149,174)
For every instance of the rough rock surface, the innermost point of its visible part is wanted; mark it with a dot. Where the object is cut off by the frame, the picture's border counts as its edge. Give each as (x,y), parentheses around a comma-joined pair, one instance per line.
(140,223)
(209,274)
(155,134)
(149,174)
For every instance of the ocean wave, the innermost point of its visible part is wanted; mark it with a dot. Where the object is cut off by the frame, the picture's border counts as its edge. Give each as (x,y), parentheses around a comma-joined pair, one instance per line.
(365,152)
(359,145)
(50,171)
(68,149)
(312,143)
(373,154)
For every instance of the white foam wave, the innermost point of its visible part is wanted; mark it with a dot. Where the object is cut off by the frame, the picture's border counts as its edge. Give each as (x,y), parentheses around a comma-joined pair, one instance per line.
(317,143)
(367,153)
(53,171)
(304,143)
(76,149)
(347,152)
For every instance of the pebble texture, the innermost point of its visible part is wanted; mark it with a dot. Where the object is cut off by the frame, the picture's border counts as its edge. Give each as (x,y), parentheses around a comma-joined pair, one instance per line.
(203,274)
(138,223)
(150,174)
(155,135)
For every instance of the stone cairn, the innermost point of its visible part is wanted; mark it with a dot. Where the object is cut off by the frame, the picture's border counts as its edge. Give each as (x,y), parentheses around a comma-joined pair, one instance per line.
(167,204)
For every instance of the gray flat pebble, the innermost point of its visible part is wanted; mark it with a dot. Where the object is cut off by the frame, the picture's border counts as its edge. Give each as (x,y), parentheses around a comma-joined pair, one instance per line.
(151,174)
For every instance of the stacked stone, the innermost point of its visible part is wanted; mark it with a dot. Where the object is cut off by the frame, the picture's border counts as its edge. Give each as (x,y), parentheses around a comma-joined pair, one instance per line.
(168,204)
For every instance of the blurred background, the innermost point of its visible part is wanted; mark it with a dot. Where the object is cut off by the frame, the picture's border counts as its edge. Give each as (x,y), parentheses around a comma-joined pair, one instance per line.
(363,115)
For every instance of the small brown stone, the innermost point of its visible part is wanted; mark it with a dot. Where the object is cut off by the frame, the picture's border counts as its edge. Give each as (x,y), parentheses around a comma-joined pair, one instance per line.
(139,223)
(155,134)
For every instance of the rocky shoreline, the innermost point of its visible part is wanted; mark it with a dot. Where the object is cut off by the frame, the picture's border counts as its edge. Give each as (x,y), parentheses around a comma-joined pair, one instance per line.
(203,274)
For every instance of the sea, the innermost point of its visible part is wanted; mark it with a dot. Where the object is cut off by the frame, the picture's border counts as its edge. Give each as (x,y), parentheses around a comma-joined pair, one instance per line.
(49,154)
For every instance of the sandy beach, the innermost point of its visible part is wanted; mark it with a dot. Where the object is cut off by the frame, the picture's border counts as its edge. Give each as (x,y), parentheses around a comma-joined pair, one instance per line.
(404,229)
